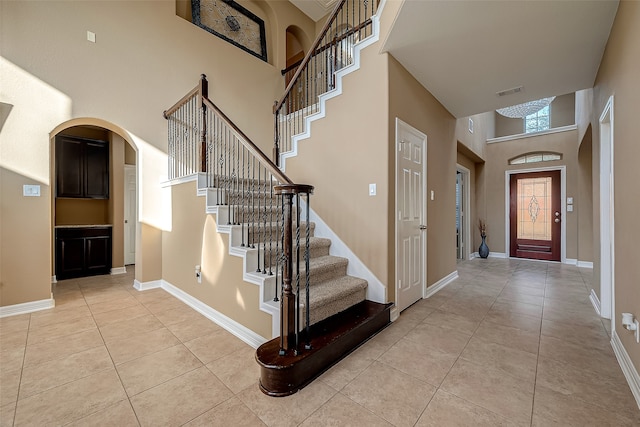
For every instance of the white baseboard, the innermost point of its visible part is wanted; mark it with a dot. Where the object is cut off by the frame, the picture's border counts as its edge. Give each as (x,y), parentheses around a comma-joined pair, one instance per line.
(118,270)
(571,261)
(440,284)
(394,314)
(585,264)
(235,328)
(595,301)
(626,364)
(491,255)
(53,279)
(145,286)
(27,307)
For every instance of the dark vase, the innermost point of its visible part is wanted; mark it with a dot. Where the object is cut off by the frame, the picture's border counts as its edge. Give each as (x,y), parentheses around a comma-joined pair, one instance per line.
(483,250)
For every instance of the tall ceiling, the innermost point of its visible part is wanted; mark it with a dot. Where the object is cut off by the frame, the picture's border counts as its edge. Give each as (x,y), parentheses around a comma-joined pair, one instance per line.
(465,51)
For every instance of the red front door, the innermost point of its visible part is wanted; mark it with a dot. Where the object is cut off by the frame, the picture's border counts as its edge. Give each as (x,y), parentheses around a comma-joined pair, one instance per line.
(535,215)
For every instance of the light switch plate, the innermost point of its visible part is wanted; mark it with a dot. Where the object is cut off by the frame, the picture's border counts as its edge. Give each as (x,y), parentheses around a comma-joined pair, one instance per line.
(372,189)
(91,36)
(433,195)
(31,190)
(569,200)
(569,208)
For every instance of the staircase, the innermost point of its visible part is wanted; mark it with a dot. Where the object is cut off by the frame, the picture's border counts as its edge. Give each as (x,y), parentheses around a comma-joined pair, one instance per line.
(320,312)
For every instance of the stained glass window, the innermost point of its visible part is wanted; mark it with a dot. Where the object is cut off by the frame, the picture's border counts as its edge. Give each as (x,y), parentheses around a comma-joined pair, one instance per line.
(534,208)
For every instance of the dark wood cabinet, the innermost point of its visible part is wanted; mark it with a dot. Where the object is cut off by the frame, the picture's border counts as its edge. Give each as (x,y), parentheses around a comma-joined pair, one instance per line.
(82,251)
(82,168)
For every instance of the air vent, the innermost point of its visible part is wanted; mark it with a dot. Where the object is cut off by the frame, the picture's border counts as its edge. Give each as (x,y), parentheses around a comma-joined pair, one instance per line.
(510,91)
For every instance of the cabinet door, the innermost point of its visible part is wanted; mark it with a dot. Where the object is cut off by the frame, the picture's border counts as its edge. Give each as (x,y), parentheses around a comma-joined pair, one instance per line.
(98,255)
(70,257)
(69,168)
(96,170)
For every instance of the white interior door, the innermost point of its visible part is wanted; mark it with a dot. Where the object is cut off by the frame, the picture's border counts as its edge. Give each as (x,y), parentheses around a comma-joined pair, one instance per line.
(411,175)
(129,214)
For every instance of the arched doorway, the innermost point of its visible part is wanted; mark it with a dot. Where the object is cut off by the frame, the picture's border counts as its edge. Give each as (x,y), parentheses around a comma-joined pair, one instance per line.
(95,188)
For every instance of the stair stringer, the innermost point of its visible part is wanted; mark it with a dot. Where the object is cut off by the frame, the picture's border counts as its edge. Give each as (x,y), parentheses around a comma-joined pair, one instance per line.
(337,90)
(266,282)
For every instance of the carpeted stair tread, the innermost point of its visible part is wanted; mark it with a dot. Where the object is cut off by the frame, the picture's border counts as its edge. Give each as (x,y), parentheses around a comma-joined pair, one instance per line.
(333,296)
(323,268)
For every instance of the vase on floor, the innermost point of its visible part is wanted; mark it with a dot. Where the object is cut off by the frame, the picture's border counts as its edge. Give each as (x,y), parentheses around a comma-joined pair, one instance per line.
(483,250)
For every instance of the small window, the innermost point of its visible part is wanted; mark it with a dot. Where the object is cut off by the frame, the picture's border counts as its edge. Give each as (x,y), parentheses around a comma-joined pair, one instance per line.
(535,158)
(539,121)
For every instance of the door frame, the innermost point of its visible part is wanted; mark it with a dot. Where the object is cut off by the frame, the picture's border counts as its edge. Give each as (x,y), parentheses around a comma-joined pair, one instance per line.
(134,169)
(607,217)
(563,207)
(466,198)
(400,124)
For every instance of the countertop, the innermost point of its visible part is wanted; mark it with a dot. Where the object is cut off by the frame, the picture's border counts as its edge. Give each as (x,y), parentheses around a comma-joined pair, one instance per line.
(84,226)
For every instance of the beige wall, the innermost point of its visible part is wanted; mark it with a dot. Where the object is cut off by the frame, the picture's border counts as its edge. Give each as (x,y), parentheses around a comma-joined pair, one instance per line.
(483,129)
(563,110)
(618,76)
(413,104)
(193,240)
(81,211)
(145,58)
(347,151)
(498,155)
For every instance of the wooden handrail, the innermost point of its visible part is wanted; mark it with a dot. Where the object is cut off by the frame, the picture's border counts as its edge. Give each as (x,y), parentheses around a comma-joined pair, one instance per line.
(250,145)
(183,100)
(309,54)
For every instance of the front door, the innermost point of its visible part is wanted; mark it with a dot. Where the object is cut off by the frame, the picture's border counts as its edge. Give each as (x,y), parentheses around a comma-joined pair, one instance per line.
(411,239)
(535,215)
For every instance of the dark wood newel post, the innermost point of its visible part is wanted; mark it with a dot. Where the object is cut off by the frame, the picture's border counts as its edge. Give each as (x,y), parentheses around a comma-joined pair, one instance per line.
(289,302)
(203,92)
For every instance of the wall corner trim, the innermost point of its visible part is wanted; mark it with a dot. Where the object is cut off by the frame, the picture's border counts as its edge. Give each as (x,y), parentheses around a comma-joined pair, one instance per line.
(27,307)
(440,284)
(145,286)
(626,364)
(118,270)
(595,301)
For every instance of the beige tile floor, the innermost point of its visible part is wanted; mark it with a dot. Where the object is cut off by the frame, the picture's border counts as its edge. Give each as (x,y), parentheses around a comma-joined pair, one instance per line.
(509,343)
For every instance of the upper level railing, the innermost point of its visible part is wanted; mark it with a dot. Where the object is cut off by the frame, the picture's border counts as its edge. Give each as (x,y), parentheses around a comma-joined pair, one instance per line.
(350,22)
(259,199)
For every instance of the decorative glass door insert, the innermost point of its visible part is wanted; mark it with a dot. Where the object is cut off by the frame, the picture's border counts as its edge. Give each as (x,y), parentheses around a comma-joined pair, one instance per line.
(534,208)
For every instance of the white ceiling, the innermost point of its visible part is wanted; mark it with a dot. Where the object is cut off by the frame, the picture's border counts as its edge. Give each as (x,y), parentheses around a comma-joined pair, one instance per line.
(464,52)
(315,9)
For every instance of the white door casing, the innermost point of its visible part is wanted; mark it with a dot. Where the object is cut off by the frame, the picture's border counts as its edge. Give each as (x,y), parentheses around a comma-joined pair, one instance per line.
(411,220)
(465,217)
(129,214)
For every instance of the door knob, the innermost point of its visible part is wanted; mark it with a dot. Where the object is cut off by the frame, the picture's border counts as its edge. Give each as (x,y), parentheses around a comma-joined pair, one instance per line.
(423,227)
(557,220)
(557,213)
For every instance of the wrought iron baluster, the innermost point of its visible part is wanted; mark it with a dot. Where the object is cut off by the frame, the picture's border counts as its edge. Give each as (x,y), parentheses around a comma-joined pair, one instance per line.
(260,196)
